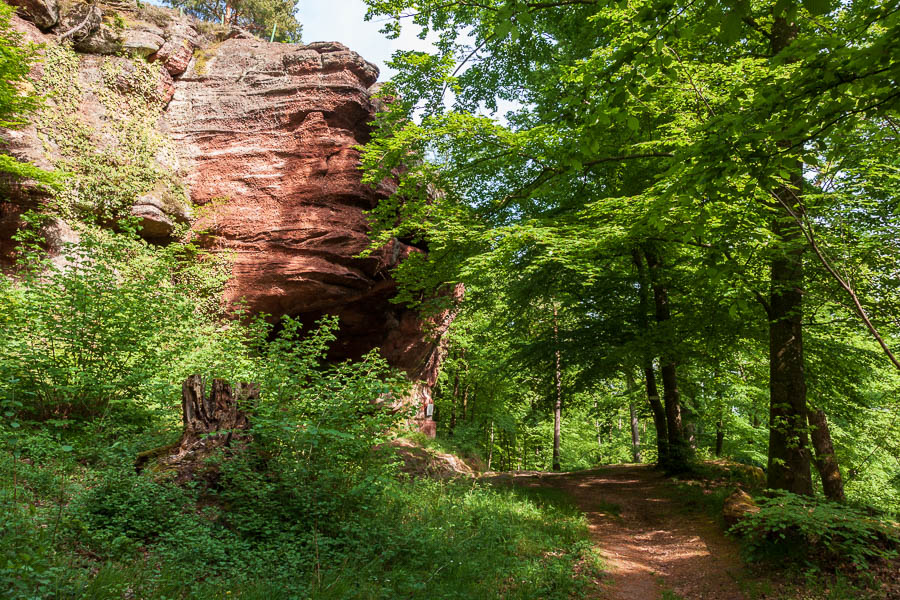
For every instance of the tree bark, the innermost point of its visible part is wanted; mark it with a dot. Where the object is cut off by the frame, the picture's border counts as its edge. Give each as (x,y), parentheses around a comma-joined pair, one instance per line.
(679,452)
(453,403)
(635,429)
(210,422)
(826,461)
(557,407)
(789,458)
(720,438)
(659,413)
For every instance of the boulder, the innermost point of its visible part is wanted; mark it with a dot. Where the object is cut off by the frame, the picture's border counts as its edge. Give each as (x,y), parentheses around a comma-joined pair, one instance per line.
(43,13)
(737,506)
(268,134)
(175,55)
(264,138)
(143,39)
(103,40)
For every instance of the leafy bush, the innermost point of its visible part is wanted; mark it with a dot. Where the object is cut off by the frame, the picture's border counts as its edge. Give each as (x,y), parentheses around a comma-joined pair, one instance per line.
(110,321)
(789,526)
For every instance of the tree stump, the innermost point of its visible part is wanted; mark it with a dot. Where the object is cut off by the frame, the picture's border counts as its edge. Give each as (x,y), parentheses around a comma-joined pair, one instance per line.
(211,422)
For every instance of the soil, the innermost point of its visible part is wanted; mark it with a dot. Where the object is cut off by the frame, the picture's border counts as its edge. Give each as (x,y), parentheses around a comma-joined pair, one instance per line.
(652,547)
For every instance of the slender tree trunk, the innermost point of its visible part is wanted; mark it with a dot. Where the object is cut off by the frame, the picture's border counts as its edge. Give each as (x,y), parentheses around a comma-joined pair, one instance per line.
(635,430)
(557,407)
(599,433)
(679,452)
(525,452)
(826,461)
(659,413)
(789,458)
(465,403)
(490,446)
(720,437)
(635,434)
(453,402)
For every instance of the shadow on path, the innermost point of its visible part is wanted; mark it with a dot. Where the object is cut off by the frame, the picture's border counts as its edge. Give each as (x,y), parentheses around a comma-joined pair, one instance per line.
(650,544)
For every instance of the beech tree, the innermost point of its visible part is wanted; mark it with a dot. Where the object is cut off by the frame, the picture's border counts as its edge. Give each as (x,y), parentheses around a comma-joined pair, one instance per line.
(735,134)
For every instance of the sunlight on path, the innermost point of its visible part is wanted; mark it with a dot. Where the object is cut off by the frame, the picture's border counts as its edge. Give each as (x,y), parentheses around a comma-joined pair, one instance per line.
(649,544)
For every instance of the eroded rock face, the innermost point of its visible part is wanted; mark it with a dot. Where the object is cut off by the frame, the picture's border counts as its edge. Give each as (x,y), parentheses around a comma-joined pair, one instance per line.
(264,137)
(268,134)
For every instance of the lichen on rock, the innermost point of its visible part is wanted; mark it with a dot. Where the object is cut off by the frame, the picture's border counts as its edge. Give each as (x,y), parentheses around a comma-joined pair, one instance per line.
(100,126)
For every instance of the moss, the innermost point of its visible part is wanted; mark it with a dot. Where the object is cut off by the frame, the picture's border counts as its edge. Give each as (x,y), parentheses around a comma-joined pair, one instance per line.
(110,160)
(203,56)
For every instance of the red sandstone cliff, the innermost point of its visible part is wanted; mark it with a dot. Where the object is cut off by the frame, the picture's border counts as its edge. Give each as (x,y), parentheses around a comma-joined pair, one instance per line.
(264,138)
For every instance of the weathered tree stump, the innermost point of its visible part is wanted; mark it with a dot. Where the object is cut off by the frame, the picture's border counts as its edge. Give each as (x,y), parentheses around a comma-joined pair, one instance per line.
(211,422)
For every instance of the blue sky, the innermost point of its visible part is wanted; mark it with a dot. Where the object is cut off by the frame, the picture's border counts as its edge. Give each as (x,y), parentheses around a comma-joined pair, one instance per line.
(343,21)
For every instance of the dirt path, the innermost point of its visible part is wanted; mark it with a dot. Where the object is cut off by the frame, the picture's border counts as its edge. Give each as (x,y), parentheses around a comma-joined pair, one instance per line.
(650,544)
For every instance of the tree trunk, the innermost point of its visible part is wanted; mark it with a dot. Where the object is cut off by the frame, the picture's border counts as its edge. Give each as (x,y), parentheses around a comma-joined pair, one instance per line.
(679,452)
(826,461)
(659,413)
(557,407)
(720,438)
(659,416)
(491,447)
(453,401)
(789,458)
(635,430)
(524,452)
(635,434)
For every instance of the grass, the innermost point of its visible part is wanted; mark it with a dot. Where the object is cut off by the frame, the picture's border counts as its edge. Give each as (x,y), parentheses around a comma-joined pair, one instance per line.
(78,524)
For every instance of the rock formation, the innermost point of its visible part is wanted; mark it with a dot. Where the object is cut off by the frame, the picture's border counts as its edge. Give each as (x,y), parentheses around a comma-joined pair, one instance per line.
(261,138)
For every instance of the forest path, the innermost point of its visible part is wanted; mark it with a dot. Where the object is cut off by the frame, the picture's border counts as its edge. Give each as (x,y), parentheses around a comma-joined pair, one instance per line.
(651,545)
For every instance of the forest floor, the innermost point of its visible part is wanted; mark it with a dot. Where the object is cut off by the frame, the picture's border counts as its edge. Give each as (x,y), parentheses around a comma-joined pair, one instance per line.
(654,548)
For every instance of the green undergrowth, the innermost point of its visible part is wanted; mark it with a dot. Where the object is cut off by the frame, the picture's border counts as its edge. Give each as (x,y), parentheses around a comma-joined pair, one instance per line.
(797,547)
(80,523)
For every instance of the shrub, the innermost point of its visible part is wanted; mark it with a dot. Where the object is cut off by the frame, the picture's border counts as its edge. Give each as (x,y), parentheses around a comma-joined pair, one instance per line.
(110,321)
(789,526)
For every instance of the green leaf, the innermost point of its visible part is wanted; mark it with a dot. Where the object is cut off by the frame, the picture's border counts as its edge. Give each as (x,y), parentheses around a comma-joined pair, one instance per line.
(817,7)
(632,123)
(730,29)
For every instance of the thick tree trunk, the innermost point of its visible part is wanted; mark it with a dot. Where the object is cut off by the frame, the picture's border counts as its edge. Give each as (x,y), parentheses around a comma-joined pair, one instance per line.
(557,407)
(789,459)
(826,461)
(679,452)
